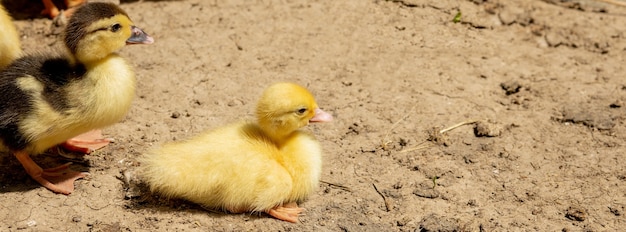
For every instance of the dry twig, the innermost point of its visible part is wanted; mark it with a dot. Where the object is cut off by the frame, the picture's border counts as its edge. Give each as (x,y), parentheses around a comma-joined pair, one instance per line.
(437,135)
(344,188)
(457,125)
(422,145)
(384,198)
(385,140)
(614,2)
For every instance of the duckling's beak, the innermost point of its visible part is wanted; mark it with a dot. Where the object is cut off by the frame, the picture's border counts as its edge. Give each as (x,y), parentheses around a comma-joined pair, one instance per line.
(138,36)
(321,116)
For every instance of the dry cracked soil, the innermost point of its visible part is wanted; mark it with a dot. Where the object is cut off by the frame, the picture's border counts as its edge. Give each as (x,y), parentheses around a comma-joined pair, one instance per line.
(450,115)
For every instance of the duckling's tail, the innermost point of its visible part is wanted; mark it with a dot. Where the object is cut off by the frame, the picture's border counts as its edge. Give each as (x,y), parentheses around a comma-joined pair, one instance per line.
(10,48)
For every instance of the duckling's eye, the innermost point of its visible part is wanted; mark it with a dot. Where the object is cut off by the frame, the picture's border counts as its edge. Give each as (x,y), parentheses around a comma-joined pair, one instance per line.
(116,27)
(301,111)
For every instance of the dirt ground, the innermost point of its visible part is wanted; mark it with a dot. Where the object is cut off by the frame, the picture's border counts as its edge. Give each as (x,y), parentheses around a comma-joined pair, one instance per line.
(535,88)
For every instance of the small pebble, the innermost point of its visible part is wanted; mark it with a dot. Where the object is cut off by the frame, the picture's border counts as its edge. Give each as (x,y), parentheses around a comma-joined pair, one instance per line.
(31,223)
(576,213)
(510,87)
(483,129)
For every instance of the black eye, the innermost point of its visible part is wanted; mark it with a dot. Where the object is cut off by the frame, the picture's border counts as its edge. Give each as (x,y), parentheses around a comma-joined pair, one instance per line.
(116,27)
(301,111)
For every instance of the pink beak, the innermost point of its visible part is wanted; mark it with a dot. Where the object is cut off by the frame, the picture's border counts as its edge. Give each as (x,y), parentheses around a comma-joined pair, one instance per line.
(138,36)
(321,116)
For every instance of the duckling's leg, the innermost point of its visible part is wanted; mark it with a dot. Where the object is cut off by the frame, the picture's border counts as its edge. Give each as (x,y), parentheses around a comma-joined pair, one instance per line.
(59,179)
(286,212)
(73,3)
(52,11)
(87,142)
(71,7)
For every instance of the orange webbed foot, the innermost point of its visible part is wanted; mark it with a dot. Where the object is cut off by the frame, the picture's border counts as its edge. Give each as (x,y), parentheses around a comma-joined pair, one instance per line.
(50,9)
(87,142)
(74,3)
(58,179)
(53,12)
(286,212)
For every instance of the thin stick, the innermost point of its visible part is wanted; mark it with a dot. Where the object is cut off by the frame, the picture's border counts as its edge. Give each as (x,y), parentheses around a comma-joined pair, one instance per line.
(384,198)
(393,126)
(337,186)
(614,2)
(422,145)
(457,125)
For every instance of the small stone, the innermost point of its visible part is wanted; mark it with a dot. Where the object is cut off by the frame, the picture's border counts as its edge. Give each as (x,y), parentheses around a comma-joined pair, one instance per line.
(590,118)
(31,223)
(426,190)
(483,129)
(472,203)
(403,222)
(615,211)
(576,213)
(232,103)
(435,222)
(616,104)
(510,87)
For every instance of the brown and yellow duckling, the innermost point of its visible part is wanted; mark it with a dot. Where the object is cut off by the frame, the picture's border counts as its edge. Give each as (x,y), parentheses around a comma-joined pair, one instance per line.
(47,100)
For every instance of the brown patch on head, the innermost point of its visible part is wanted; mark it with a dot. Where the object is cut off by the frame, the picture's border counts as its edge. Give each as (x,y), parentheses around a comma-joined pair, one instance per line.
(77,27)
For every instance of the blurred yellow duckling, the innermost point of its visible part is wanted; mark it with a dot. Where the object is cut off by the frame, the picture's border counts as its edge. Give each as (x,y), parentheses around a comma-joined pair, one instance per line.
(10,47)
(264,166)
(47,100)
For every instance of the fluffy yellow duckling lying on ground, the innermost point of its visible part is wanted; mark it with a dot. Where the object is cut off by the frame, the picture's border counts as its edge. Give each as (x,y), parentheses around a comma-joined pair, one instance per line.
(10,48)
(47,100)
(268,166)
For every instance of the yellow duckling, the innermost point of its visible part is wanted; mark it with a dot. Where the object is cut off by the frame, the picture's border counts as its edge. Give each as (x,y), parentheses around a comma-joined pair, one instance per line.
(10,48)
(266,166)
(47,100)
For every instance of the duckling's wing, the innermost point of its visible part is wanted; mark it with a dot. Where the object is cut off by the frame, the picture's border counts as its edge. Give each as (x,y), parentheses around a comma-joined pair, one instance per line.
(24,84)
(14,106)
(42,76)
(33,88)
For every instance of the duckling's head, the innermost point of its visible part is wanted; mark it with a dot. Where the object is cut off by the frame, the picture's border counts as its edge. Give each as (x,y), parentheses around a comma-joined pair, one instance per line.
(286,107)
(98,29)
